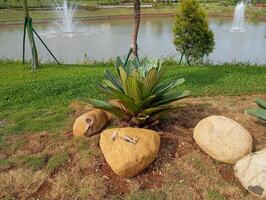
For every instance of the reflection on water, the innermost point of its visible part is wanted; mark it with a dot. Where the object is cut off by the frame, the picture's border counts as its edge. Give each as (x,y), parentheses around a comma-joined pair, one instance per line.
(103,40)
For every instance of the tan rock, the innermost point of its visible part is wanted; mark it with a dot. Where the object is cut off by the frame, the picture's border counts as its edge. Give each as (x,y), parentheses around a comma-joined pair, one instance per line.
(90,123)
(251,172)
(223,138)
(128,151)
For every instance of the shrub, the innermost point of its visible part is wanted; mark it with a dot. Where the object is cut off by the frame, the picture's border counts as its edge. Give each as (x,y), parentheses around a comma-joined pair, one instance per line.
(136,93)
(192,36)
(260,112)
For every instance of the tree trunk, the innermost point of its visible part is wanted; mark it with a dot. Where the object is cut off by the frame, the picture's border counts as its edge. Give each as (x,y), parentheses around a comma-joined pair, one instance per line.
(134,41)
(188,60)
(181,58)
(35,62)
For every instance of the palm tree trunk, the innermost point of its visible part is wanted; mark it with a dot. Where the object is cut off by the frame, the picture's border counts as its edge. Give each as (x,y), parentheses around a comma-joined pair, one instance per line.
(134,40)
(35,62)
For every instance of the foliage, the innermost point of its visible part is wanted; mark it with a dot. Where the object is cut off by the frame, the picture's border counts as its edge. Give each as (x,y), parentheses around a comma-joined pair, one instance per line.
(136,92)
(260,112)
(192,36)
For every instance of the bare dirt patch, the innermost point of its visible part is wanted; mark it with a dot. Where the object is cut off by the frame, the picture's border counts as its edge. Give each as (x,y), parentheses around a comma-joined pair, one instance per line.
(181,171)
(176,132)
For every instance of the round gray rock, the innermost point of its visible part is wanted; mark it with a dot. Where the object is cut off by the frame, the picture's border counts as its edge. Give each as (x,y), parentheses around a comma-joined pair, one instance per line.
(223,139)
(251,172)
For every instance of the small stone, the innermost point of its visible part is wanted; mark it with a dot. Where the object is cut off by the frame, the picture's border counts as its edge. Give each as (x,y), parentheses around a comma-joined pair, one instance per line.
(105,177)
(90,123)
(251,172)
(223,139)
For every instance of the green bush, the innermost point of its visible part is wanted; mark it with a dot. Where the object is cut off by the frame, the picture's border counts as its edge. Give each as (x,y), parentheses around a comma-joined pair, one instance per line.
(192,36)
(136,93)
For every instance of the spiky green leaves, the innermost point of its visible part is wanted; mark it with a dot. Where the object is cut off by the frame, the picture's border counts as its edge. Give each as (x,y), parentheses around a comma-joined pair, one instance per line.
(138,89)
(260,112)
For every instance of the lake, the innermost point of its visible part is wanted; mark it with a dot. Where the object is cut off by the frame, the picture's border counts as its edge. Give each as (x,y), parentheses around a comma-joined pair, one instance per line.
(105,39)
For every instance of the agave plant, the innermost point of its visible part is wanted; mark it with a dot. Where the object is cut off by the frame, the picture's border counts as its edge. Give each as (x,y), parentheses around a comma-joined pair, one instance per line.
(135,91)
(260,112)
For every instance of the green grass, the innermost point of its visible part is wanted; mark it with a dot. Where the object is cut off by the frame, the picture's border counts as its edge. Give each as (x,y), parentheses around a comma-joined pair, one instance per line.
(214,195)
(147,195)
(4,164)
(67,168)
(57,161)
(32,102)
(11,146)
(35,162)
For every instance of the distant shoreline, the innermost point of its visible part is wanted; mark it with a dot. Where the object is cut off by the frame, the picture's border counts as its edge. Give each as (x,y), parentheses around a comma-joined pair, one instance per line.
(92,18)
(126,16)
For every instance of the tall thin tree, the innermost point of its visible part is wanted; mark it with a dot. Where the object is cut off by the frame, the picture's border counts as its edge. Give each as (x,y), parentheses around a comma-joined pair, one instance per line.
(136,22)
(28,26)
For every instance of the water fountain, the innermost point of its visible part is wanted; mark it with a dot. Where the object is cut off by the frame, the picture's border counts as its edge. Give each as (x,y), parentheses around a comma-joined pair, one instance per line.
(66,26)
(239,18)
(66,14)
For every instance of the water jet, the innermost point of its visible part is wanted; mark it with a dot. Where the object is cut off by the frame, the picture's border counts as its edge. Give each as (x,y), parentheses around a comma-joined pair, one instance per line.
(66,13)
(239,18)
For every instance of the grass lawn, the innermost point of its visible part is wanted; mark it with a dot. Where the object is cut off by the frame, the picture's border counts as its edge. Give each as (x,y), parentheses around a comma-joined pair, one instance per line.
(40,101)
(39,158)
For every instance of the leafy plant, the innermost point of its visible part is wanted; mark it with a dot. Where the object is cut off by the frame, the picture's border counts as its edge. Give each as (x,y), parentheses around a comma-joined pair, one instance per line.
(136,92)
(192,36)
(260,112)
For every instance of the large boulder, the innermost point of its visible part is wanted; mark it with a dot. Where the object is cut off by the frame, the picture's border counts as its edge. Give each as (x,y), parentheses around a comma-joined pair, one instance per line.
(223,139)
(90,123)
(129,150)
(251,172)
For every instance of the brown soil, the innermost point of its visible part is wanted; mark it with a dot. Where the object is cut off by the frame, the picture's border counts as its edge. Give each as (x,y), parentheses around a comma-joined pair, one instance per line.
(180,159)
(43,189)
(177,140)
(177,129)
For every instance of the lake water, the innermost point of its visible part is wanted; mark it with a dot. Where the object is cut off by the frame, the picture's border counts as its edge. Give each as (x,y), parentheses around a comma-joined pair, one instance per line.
(105,39)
